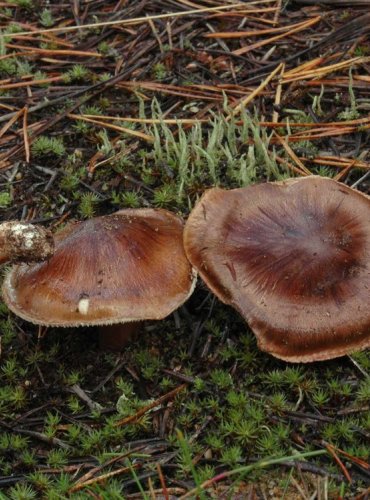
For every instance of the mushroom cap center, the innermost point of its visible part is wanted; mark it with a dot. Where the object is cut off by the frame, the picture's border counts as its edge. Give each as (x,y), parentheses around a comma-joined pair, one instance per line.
(315,254)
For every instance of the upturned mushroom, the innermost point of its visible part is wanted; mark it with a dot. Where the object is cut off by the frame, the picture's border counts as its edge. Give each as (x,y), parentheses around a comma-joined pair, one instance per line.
(24,242)
(116,269)
(293,258)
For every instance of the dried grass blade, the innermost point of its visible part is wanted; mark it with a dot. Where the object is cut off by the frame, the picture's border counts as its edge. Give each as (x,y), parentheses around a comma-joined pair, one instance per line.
(129,22)
(31,82)
(150,121)
(25,135)
(242,34)
(303,75)
(128,131)
(244,102)
(155,403)
(332,452)
(54,52)
(301,27)
(103,477)
(292,167)
(13,119)
(292,154)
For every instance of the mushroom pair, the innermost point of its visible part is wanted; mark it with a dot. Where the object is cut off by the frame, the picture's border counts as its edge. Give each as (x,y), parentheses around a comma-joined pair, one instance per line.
(121,268)
(293,258)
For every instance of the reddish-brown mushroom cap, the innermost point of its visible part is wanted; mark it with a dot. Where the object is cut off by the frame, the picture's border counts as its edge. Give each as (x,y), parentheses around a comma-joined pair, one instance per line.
(128,266)
(293,258)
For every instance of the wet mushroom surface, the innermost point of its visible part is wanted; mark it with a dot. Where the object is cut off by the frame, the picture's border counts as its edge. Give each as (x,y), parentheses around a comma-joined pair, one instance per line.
(128,266)
(293,258)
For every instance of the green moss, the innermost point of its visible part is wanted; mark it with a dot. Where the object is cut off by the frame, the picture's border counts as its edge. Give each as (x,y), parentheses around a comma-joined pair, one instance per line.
(46,18)
(44,145)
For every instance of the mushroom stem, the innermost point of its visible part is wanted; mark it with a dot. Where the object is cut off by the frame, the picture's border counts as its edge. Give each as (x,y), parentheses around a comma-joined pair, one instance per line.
(23,242)
(116,337)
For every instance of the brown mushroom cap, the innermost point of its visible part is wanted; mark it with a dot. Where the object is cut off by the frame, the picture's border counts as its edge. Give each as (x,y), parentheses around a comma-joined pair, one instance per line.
(293,258)
(128,266)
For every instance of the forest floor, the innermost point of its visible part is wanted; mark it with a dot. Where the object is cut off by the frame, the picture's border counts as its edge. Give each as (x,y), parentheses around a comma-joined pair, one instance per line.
(115,103)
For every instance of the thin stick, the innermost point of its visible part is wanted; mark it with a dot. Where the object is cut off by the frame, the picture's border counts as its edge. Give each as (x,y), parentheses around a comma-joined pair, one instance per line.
(358,121)
(150,121)
(292,167)
(247,468)
(25,134)
(17,85)
(319,72)
(155,403)
(332,452)
(249,33)
(103,477)
(55,52)
(344,172)
(43,437)
(244,102)
(135,133)
(275,114)
(277,13)
(129,22)
(291,153)
(334,161)
(91,473)
(156,35)
(163,483)
(301,27)
(13,119)
(76,389)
